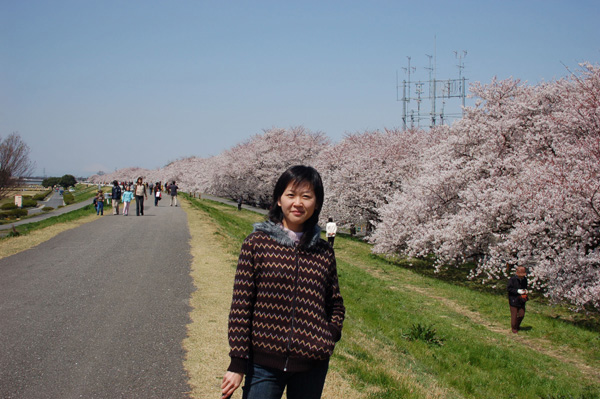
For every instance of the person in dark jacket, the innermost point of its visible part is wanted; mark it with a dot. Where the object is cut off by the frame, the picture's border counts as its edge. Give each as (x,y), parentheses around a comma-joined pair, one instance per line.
(517,298)
(173,191)
(287,311)
(115,197)
(157,193)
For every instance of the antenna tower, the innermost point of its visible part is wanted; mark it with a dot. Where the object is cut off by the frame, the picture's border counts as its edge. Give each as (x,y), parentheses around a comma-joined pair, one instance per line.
(438,91)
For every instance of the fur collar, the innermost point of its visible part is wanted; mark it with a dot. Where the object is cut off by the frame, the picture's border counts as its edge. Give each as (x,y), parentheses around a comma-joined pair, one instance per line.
(278,234)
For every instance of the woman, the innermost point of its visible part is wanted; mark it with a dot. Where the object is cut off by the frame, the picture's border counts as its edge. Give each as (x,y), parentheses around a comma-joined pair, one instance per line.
(287,311)
(140,194)
(157,193)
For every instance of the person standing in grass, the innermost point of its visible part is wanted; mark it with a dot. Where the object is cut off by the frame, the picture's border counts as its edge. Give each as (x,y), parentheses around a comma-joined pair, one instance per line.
(127,197)
(100,203)
(287,311)
(330,231)
(140,194)
(517,298)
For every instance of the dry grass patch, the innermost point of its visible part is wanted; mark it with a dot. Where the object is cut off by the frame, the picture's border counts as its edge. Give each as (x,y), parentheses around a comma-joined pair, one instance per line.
(213,272)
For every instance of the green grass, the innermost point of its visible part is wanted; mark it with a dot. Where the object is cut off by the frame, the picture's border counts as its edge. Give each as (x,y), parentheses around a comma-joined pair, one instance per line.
(472,353)
(84,192)
(474,360)
(234,225)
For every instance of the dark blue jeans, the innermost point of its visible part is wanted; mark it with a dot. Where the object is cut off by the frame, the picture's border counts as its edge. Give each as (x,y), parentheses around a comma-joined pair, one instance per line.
(267,383)
(139,205)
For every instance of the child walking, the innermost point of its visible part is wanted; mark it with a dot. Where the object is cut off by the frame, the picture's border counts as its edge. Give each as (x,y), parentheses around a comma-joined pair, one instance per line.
(127,198)
(100,203)
(287,311)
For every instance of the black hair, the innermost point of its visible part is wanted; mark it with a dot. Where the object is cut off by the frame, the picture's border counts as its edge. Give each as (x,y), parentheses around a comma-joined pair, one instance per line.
(297,175)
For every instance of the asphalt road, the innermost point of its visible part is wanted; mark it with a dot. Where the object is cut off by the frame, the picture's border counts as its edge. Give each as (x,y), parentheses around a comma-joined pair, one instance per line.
(54,200)
(99,311)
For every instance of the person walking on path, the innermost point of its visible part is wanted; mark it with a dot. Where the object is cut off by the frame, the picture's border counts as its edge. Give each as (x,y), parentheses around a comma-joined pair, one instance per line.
(140,194)
(517,298)
(100,203)
(127,198)
(173,191)
(330,231)
(157,193)
(115,197)
(287,311)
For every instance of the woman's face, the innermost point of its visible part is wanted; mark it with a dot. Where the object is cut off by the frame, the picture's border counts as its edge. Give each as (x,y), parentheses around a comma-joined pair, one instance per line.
(298,204)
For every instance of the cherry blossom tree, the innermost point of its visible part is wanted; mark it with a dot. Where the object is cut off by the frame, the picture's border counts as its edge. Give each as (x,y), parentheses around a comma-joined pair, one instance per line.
(249,170)
(515,183)
(364,170)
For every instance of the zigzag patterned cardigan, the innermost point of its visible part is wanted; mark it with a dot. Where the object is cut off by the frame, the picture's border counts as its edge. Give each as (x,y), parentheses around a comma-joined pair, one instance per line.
(287,311)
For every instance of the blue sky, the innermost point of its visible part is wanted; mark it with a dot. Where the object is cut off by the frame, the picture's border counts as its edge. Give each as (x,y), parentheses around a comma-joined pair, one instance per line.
(102,85)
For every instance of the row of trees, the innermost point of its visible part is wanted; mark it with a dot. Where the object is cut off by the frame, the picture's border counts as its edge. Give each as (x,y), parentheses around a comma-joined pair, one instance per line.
(514,182)
(65,181)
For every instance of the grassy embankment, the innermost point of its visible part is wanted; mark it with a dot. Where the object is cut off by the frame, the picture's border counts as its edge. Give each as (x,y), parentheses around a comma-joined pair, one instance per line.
(81,193)
(409,335)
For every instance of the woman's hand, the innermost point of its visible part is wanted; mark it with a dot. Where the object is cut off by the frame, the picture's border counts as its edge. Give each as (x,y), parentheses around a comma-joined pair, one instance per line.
(231,382)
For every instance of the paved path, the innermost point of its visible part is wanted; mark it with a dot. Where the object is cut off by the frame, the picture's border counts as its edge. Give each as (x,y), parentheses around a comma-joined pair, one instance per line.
(99,311)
